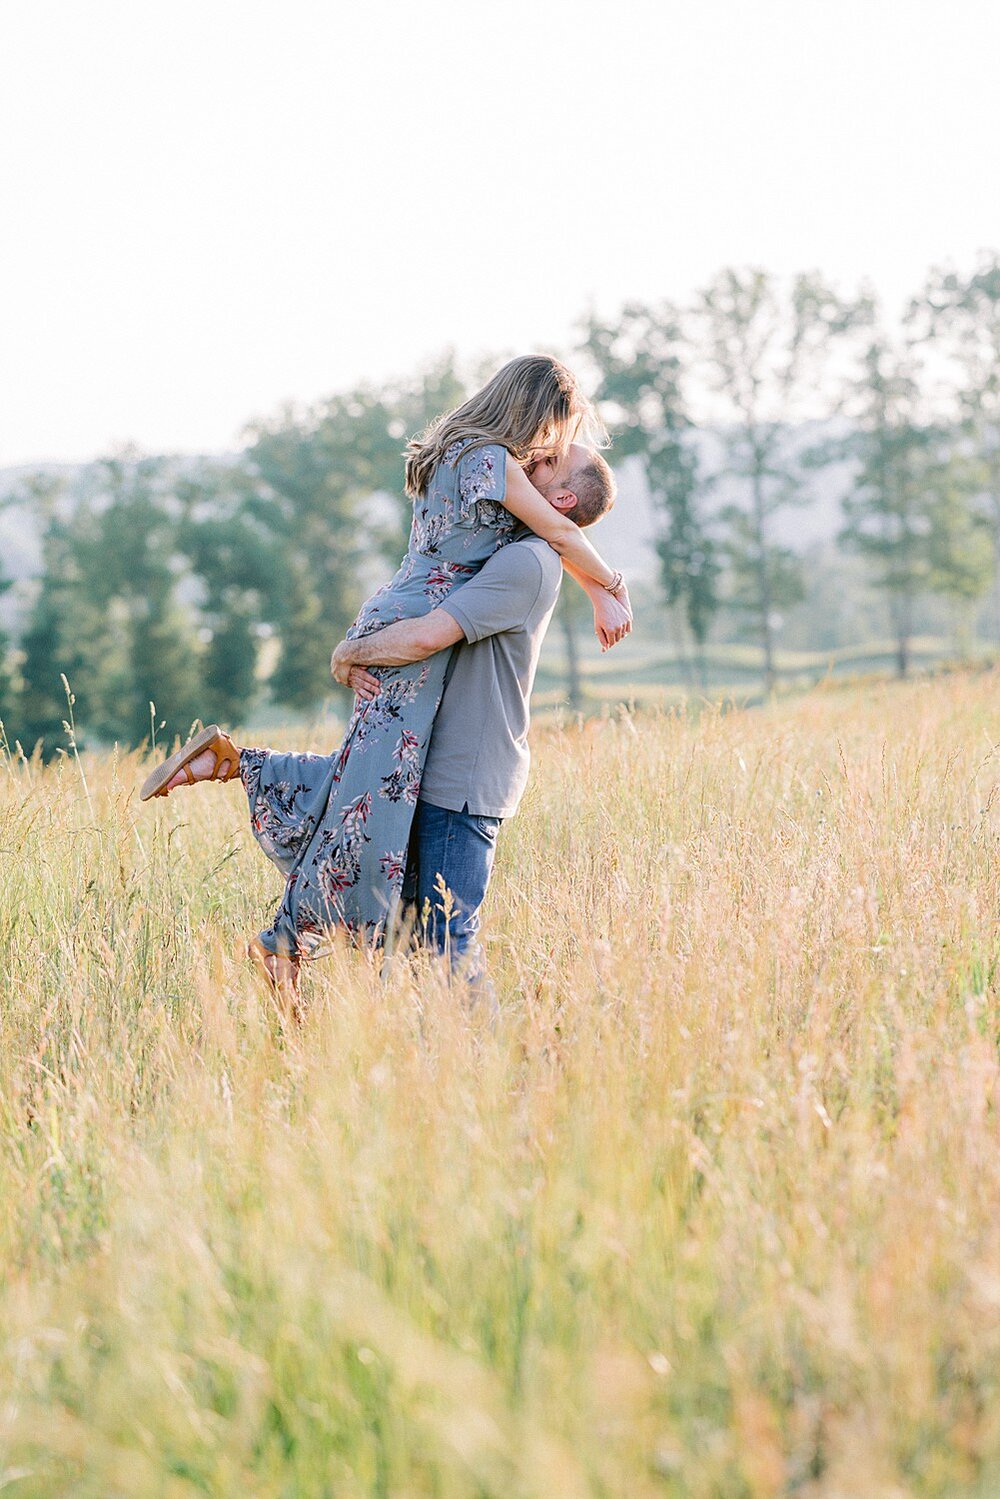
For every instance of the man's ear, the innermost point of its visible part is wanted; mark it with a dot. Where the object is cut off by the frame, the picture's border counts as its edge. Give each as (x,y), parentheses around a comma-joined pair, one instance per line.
(563,499)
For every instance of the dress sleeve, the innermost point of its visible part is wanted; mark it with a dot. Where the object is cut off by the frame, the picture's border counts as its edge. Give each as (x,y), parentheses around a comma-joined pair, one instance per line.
(482,480)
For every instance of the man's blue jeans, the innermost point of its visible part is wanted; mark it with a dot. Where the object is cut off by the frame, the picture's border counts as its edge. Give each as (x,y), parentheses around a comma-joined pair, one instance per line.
(454,850)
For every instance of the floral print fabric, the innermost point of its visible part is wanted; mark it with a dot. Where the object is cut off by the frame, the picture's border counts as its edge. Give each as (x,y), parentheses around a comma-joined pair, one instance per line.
(338,826)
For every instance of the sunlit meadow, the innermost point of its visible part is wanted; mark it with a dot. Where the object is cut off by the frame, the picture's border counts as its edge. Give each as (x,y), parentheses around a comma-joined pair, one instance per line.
(715,1211)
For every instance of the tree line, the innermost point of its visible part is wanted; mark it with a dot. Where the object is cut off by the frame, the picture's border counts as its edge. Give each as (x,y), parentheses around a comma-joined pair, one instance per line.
(174,582)
(164,581)
(914,411)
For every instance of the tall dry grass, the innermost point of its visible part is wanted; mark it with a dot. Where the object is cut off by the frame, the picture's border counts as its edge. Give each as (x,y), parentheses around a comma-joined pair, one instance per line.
(715,1211)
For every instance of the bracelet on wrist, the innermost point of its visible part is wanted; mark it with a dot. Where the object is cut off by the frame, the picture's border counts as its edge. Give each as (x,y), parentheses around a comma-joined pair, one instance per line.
(616,584)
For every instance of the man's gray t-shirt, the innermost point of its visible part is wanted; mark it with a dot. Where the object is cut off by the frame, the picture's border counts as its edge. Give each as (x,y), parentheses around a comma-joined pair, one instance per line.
(478,755)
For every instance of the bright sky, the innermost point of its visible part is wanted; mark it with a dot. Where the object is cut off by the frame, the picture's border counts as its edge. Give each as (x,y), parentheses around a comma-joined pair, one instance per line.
(214,206)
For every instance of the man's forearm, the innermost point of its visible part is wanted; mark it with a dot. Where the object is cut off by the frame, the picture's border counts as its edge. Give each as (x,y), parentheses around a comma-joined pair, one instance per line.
(402,643)
(395,645)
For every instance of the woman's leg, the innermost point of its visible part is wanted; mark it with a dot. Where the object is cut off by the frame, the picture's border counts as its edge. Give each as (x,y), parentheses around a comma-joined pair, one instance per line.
(350,872)
(286,795)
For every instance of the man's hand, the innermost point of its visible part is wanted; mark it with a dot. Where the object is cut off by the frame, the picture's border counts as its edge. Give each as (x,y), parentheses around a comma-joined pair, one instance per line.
(341,664)
(612,617)
(348,674)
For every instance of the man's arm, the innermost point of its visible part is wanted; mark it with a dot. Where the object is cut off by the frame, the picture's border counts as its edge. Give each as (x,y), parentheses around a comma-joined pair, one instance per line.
(401,644)
(500,597)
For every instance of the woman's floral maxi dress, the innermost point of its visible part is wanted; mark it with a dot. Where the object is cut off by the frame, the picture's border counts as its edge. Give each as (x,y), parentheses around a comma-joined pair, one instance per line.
(338,826)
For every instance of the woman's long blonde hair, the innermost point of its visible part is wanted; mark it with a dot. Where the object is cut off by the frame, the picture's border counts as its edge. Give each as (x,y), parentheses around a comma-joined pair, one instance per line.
(533,405)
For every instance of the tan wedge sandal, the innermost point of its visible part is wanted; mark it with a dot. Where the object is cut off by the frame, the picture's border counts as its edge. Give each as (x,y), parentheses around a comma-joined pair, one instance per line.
(227,762)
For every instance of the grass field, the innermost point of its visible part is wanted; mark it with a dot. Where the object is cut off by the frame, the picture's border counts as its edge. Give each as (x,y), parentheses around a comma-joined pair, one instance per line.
(715,1212)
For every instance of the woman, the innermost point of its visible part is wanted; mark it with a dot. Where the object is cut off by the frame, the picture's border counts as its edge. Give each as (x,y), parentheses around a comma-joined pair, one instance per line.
(337,826)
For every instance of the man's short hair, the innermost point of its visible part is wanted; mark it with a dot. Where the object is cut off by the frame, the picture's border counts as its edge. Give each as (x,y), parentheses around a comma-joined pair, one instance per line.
(593,483)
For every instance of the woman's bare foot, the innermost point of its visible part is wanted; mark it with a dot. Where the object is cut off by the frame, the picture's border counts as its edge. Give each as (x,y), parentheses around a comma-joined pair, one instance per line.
(282,975)
(209,755)
(202,767)
(286,986)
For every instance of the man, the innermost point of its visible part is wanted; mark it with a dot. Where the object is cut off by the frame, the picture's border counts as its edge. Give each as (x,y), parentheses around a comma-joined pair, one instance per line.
(477,760)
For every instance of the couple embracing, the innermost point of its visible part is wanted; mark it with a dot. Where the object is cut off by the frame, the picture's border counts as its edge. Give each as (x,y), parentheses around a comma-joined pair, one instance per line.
(441,660)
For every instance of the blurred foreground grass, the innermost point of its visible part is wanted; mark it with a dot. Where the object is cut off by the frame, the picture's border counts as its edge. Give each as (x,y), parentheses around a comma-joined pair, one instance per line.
(714,1213)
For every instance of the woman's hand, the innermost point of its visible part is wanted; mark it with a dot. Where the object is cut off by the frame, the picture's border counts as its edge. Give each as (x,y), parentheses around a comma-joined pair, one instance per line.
(363,684)
(612,617)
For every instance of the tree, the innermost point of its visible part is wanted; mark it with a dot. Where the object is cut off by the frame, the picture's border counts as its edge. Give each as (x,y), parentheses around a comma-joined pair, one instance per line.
(572,612)
(230,552)
(39,709)
(958,318)
(7,680)
(416,404)
(313,473)
(59,638)
(307,641)
(130,567)
(640,358)
(164,671)
(316,473)
(135,559)
(961,548)
(7,689)
(909,512)
(765,352)
(762,577)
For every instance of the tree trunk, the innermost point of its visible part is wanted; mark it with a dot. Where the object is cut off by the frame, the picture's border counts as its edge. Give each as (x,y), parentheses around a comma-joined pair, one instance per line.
(904,629)
(767,640)
(962,630)
(764,581)
(902,656)
(683,659)
(700,657)
(574,688)
(995,498)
